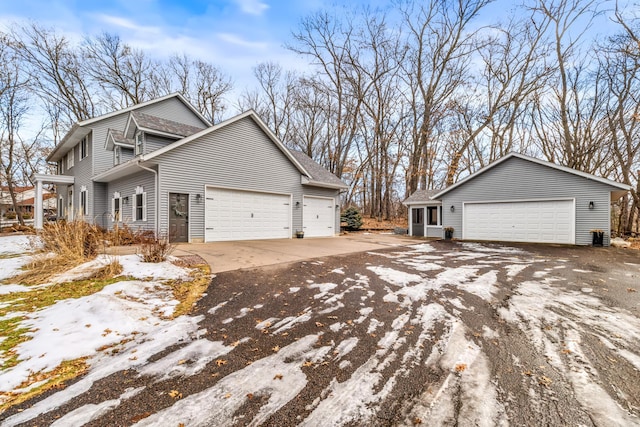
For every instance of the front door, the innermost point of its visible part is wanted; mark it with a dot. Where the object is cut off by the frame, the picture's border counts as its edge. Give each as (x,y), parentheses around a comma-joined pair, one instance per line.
(417,221)
(178,217)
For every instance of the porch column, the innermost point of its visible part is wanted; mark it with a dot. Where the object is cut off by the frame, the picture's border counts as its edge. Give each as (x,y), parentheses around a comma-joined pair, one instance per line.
(38,206)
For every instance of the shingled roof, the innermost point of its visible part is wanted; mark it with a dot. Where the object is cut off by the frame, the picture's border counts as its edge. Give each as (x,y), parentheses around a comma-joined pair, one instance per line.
(421,196)
(318,173)
(149,122)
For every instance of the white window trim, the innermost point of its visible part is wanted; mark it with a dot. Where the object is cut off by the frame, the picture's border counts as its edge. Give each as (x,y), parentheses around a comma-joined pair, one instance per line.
(439,216)
(118,218)
(144,206)
(117,155)
(84,207)
(70,158)
(139,143)
(84,142)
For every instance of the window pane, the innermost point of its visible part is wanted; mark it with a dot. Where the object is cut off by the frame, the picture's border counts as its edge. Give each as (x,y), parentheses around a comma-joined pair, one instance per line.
(432,215)
(139,207)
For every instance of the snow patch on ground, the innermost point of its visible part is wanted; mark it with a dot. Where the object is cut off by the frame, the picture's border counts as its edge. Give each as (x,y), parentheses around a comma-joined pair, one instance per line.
(278,377)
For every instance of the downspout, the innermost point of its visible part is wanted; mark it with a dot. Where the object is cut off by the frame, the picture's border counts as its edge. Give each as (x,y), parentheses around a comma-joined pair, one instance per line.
(157,191)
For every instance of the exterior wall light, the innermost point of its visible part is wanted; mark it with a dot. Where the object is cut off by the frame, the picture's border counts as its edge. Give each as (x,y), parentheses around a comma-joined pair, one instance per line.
(198,197)
(297,204)
(452,208)
(125,200)
(591,205)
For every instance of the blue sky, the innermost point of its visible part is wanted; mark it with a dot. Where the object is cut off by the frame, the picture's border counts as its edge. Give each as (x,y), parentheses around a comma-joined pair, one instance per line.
(235,35)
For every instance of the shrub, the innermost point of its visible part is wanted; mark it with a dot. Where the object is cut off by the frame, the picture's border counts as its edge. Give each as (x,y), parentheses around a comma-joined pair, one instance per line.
(352,217)
(10,215)
(156,249)
(26,216)
(123,235)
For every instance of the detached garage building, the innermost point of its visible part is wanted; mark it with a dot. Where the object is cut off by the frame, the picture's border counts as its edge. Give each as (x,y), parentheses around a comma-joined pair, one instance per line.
(523,199)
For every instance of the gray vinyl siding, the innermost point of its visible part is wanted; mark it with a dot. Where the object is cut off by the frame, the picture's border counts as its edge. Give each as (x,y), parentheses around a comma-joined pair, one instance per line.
(154,142)
(171,109)
(237,156)
(519,179)
(101,206)
(127,188)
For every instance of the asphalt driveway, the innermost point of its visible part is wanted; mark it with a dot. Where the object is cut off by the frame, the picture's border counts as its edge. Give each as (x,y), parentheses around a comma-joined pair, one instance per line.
(438,333)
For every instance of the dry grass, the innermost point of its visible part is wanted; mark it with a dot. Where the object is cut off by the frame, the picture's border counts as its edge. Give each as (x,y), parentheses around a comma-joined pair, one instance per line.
(156,249)
(190,292)
(369,223)
(55,378)
(123,235)
(64,245)
(108,271)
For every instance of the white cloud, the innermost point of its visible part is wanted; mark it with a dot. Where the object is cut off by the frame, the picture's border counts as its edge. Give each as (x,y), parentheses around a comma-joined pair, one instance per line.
(239,41)
(252,7)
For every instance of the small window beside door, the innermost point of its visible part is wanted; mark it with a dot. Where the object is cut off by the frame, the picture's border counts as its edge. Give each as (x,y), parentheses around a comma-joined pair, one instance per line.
(433,218)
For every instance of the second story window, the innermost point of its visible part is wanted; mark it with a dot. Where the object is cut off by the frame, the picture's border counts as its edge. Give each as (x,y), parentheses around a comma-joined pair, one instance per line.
(84,147)
(60,167)
(117,156)
(139,142)
(70,158)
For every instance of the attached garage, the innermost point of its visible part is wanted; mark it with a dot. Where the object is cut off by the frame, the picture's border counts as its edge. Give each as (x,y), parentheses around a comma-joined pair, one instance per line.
(319,217)
(544,221)
(246,215)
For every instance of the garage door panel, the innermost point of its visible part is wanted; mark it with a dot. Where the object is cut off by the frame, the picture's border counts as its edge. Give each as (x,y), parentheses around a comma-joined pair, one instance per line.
(246,215)
(539,221)
(318,216)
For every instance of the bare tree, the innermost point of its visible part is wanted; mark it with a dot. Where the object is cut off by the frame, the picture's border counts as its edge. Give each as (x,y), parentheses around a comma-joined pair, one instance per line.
(56,75)
(441,43)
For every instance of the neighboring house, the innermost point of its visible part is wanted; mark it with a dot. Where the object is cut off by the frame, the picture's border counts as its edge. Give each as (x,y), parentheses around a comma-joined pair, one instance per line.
(161,166)
(518,199)
(25,198)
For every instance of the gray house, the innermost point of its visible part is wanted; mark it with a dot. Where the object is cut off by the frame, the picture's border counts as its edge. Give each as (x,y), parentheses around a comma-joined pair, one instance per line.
(161,166)
(518,199)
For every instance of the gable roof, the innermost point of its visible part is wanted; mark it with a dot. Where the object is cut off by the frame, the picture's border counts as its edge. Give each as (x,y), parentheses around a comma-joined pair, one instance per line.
(319,175)
(421,196)
(117,138)
(620,189)
(134,165)
(159,126)
(80,129)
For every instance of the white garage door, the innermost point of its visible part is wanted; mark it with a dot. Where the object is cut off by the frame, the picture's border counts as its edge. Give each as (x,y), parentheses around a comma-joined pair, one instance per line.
(549,221)
(246,215)
(318,217)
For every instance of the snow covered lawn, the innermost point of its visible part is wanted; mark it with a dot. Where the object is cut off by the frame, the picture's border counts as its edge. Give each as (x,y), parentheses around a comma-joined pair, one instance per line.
(103,332)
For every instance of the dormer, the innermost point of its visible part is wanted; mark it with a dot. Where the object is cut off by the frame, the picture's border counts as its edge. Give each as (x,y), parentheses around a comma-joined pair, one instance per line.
(123,148)
(148,133)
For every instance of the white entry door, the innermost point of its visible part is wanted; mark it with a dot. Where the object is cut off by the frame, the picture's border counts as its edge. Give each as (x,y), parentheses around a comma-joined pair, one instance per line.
(319,218)
(246,215)
(548,221)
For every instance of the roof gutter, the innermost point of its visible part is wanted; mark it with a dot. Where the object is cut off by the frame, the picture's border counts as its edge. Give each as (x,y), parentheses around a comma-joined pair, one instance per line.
(157,202)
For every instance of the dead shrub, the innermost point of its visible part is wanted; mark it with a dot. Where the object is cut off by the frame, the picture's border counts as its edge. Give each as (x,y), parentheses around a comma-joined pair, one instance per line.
(123,235)
(156,249)
(61,245)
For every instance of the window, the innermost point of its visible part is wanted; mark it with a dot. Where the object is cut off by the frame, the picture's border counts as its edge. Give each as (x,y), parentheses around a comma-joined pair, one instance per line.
(116,204)
(117,155)
(432,215)
(70,158)
(60,207)
(140,206)
(84,147)
(83,201)
(139,142)
(60,167)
